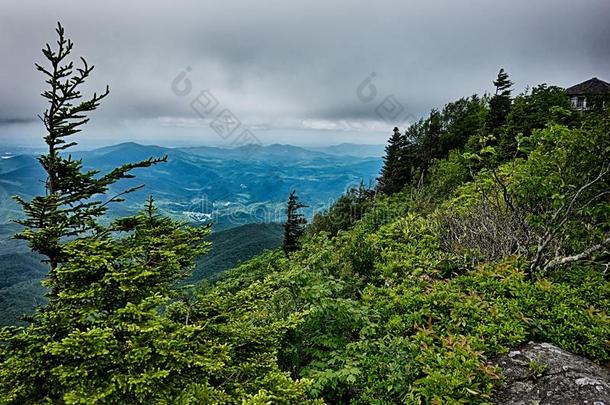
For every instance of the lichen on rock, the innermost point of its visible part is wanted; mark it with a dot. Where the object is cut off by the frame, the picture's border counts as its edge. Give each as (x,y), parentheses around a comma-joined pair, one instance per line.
(540,373)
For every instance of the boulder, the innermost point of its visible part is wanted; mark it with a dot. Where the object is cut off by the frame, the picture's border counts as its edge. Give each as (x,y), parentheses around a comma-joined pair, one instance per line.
(540,373)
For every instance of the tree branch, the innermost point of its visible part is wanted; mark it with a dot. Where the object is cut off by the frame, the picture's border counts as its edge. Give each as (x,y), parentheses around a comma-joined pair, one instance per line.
(587,253)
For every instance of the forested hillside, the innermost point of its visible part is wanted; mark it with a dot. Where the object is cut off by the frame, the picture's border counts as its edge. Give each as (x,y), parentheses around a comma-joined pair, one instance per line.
(233,246)
(489,227)
(496,244)
(23,271)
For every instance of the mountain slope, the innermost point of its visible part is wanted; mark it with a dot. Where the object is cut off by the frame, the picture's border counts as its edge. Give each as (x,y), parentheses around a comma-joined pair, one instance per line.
(21,271)
(20,275)
(234,246)
(414,302)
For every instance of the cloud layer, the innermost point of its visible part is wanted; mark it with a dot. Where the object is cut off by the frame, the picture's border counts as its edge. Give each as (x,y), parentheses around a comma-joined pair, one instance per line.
(290,71)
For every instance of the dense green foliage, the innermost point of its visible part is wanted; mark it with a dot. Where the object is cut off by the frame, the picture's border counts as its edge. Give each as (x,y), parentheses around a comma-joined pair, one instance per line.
(387,314)
(411,301)
(504,238)
(344,212)
(460,125)
(115,328)
(22,271)
(102,339)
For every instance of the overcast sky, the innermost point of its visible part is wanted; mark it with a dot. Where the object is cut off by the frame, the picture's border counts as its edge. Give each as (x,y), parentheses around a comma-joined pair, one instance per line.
(290,72)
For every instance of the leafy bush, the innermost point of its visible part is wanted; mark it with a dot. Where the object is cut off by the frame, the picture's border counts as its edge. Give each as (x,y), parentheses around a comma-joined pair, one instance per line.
(389,313)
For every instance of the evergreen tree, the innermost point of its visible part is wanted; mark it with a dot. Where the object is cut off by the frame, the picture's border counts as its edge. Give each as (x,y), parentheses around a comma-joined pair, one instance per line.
(430,147)
(396,170)
(503,84)
(116,329)
(499,105)
(103,338)
(408,156)
(68,209)
(295,224)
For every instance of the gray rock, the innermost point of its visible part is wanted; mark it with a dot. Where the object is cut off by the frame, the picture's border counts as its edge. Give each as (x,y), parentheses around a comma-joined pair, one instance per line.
(543,374)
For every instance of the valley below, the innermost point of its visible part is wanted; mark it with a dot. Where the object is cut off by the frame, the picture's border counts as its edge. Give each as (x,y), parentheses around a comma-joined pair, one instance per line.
(241,194)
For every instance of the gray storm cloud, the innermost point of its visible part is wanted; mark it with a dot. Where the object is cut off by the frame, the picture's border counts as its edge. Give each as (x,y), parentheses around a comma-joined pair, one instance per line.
(291,70)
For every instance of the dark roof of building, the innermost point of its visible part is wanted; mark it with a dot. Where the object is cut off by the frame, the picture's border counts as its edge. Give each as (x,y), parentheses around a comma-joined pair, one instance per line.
(591,86)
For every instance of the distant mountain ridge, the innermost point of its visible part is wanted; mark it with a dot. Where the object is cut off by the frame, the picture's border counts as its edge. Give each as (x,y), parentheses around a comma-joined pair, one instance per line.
(241,190)
(274,152)
(352,149)
(299,152)
(231,186)
(246,151)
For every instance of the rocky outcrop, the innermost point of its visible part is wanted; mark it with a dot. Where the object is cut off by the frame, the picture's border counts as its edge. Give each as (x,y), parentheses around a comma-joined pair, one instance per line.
(540,373)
